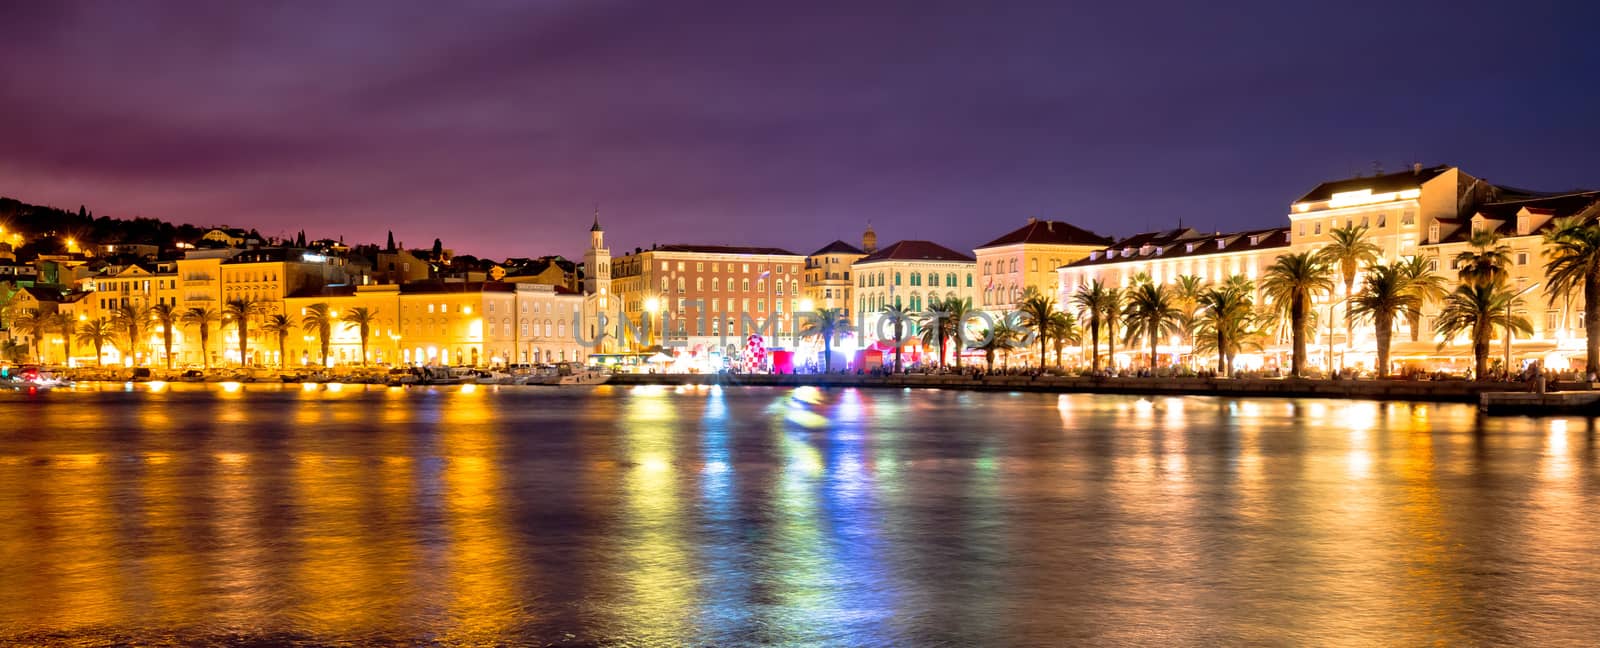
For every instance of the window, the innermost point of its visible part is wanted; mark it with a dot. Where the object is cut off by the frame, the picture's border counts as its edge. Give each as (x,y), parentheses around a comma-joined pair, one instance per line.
(969,280)
(680,266)
(916,279)
(716,284)
(1383,220)
(1552,320)
(1013,265)
(1522,258)
(1033,265)
(663,266)
(745,285)
(896,278)
(987,268)
(1317,229)
(699,266)
(1409,217)
(699,284)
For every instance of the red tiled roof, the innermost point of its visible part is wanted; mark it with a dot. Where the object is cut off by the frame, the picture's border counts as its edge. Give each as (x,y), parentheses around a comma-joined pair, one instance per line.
(1049,232)
(916,251)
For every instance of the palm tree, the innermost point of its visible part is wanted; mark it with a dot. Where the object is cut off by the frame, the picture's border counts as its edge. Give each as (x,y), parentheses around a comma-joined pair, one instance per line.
(281,326)
(1000,337)
(1292,282)
(1036,309)
(319,321)
(239,311)
(935,325)
(1186,297)
(960,309)
(828,323)
(1347,251)
(1098,305)
(1063,328)
(1226,322)
(165,317)
(202,318)
(1150,313)
(361,318)
(1478,308)
(1486,262)
(96,333)
(897,317)
(133,320)
(1384,296)
(36,323)
(1423,282)
(1573,248)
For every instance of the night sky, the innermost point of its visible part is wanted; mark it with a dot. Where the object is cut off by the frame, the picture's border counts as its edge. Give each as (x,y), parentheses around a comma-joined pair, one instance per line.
(788,124)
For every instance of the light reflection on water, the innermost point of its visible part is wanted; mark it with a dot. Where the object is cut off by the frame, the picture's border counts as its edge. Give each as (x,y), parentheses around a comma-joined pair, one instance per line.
(710,516)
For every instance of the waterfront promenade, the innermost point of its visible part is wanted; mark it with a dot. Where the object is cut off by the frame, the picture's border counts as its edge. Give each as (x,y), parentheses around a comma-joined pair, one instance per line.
(1454,391)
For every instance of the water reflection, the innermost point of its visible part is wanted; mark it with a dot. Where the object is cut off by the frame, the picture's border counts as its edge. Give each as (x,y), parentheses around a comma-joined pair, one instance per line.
(174,513)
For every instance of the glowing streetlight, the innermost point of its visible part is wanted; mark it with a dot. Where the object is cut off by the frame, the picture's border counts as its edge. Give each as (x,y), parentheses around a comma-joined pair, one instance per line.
(806,305)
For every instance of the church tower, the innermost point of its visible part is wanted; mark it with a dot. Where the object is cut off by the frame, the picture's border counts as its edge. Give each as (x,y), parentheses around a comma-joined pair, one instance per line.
(597,282)
(869,240)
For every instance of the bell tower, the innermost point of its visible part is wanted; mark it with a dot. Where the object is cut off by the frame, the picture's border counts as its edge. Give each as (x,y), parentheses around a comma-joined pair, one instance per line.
(596,283)
(869,240)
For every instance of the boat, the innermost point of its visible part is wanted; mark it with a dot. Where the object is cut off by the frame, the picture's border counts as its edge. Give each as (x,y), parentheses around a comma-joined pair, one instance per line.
(400,376)
(31,377)
(192,375)
(494,378)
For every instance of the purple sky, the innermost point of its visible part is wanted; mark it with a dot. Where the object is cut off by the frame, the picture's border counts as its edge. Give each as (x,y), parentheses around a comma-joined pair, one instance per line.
(790,124)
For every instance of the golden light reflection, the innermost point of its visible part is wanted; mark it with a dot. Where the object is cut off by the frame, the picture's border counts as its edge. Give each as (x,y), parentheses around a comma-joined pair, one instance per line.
(484,566)
(659,593)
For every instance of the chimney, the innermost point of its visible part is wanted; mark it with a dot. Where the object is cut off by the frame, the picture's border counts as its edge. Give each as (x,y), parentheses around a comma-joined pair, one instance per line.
(1032,220)
(1416,168)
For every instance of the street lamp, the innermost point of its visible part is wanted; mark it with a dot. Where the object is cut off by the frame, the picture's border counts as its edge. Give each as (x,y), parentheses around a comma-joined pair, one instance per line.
(1509,303)
(652,305)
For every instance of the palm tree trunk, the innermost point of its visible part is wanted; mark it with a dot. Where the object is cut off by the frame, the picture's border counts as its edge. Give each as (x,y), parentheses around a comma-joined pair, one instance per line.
(363,350)
(1385,324)
(205,345)
(1222,353)
(1042,341)
(166,342)
(1414,319)
(283,356)
(899,344)
(1297,334)
(827,351)
(1094,345)
(243,333)
(1111,346)
(1154,335)
(1591,323)
(1480,351)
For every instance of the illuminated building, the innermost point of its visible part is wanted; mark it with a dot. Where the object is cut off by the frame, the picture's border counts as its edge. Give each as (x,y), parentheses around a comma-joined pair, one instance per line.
(708,295)
(827,282)
(442,323)
(1027,257)
(1424,211)
(911,275)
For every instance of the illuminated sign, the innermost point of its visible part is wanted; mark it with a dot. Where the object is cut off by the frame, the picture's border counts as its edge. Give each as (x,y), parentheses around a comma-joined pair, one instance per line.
(313,258)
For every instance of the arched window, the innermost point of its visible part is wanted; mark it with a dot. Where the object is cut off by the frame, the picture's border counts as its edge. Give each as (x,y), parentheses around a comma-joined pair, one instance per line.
(916,279)
(1013,265)
(950,280)
(969,280)
(896,278)
(1033,265)
(988,267)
